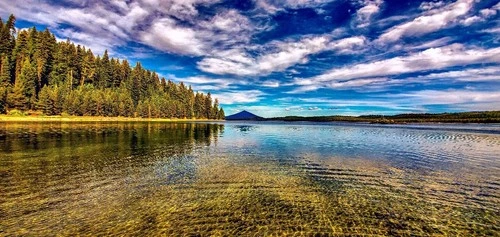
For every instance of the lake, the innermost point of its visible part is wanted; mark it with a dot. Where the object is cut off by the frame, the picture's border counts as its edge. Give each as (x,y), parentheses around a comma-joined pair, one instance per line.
(248,178)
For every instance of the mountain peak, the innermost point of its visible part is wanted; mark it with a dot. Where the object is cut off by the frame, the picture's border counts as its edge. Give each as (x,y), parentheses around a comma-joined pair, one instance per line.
(244,115)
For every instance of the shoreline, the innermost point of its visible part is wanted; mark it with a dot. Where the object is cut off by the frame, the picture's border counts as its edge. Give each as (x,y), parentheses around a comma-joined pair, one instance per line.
(59,118)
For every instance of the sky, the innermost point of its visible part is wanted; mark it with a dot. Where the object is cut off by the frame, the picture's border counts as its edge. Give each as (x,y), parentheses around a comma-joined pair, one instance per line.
(297,57)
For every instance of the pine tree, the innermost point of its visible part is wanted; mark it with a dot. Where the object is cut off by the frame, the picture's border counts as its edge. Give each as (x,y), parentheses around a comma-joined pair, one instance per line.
(43,56)
(5,75)
(215,110)
(4,83)
(87,68)
(7,39)
(135,83)
(221,115)
(17,96)
(25,87)
(208,106)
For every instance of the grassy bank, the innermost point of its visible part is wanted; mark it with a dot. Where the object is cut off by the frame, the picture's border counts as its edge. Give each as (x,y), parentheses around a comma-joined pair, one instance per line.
(59,118)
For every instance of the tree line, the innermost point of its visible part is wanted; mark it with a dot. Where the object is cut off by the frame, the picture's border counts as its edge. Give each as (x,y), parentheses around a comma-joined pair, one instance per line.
(462,117)
(37,73)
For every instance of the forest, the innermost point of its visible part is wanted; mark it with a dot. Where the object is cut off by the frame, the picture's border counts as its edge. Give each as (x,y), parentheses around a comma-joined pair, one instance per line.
(462,117)
(38,74)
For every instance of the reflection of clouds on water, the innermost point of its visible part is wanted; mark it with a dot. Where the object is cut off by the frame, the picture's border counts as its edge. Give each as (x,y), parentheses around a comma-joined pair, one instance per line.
(449,148)
(244,128)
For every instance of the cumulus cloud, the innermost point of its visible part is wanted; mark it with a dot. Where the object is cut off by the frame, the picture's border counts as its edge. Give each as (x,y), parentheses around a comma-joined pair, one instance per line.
(430,5)
(432,44)
(483,15)
(286,55)
(273,6)
(365,13)
(228,21)
(430,59)
(226,30)
(165,35)
(491,73)
(204,83)
(239,97)
(450,97)
(180,9)
(276,56)
(431,21)
(151,22)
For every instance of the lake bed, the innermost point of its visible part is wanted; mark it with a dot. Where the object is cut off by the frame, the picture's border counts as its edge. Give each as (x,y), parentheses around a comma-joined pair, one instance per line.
(249,178)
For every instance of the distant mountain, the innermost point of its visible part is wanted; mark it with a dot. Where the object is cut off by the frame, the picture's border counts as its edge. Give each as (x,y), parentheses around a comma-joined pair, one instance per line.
(244,115)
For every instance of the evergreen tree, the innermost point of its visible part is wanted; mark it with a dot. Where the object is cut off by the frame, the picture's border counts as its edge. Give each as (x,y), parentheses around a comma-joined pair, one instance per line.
(135,83)
(17,97)
(87,68)
(221,115)
(208,106)
(4,83)
(43,57)
(7,38)
(215,110)
(5,75)
(29,78)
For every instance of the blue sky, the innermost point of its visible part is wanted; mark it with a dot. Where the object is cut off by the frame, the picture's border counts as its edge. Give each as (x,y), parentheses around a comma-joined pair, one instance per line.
(298,57)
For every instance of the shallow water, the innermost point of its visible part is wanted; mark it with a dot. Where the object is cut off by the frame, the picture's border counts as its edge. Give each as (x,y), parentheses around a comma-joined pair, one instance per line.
(257,179)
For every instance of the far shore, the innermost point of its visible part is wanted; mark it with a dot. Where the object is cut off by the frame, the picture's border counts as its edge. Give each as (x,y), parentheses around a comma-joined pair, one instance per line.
(59,118)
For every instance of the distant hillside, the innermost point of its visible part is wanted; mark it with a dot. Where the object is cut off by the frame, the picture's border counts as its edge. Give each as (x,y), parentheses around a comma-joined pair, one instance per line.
(244,115)
(464,117)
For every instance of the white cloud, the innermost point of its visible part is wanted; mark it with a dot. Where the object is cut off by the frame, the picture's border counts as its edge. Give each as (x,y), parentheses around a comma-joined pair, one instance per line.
(413,101)
(291,53)
(488,12)
(203,83)
(152,22)
(271,84)
(431,21)
(364,14)
(347,102)
(430,59)
(226,30)
(286,54)
(491,73)
(239,97)
(97,45)
(276,56)
(356,83)
(431,5)
(180,9)
(484,14)
(165,35)
(202,80)
(492,30)
(228,21)
(471,20)
(273,6)
(432,44)
(347,45)
(349,84)
(450,97)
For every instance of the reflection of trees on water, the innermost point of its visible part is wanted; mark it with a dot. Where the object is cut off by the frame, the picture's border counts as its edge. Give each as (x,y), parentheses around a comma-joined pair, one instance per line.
(36,136)
(35,154)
